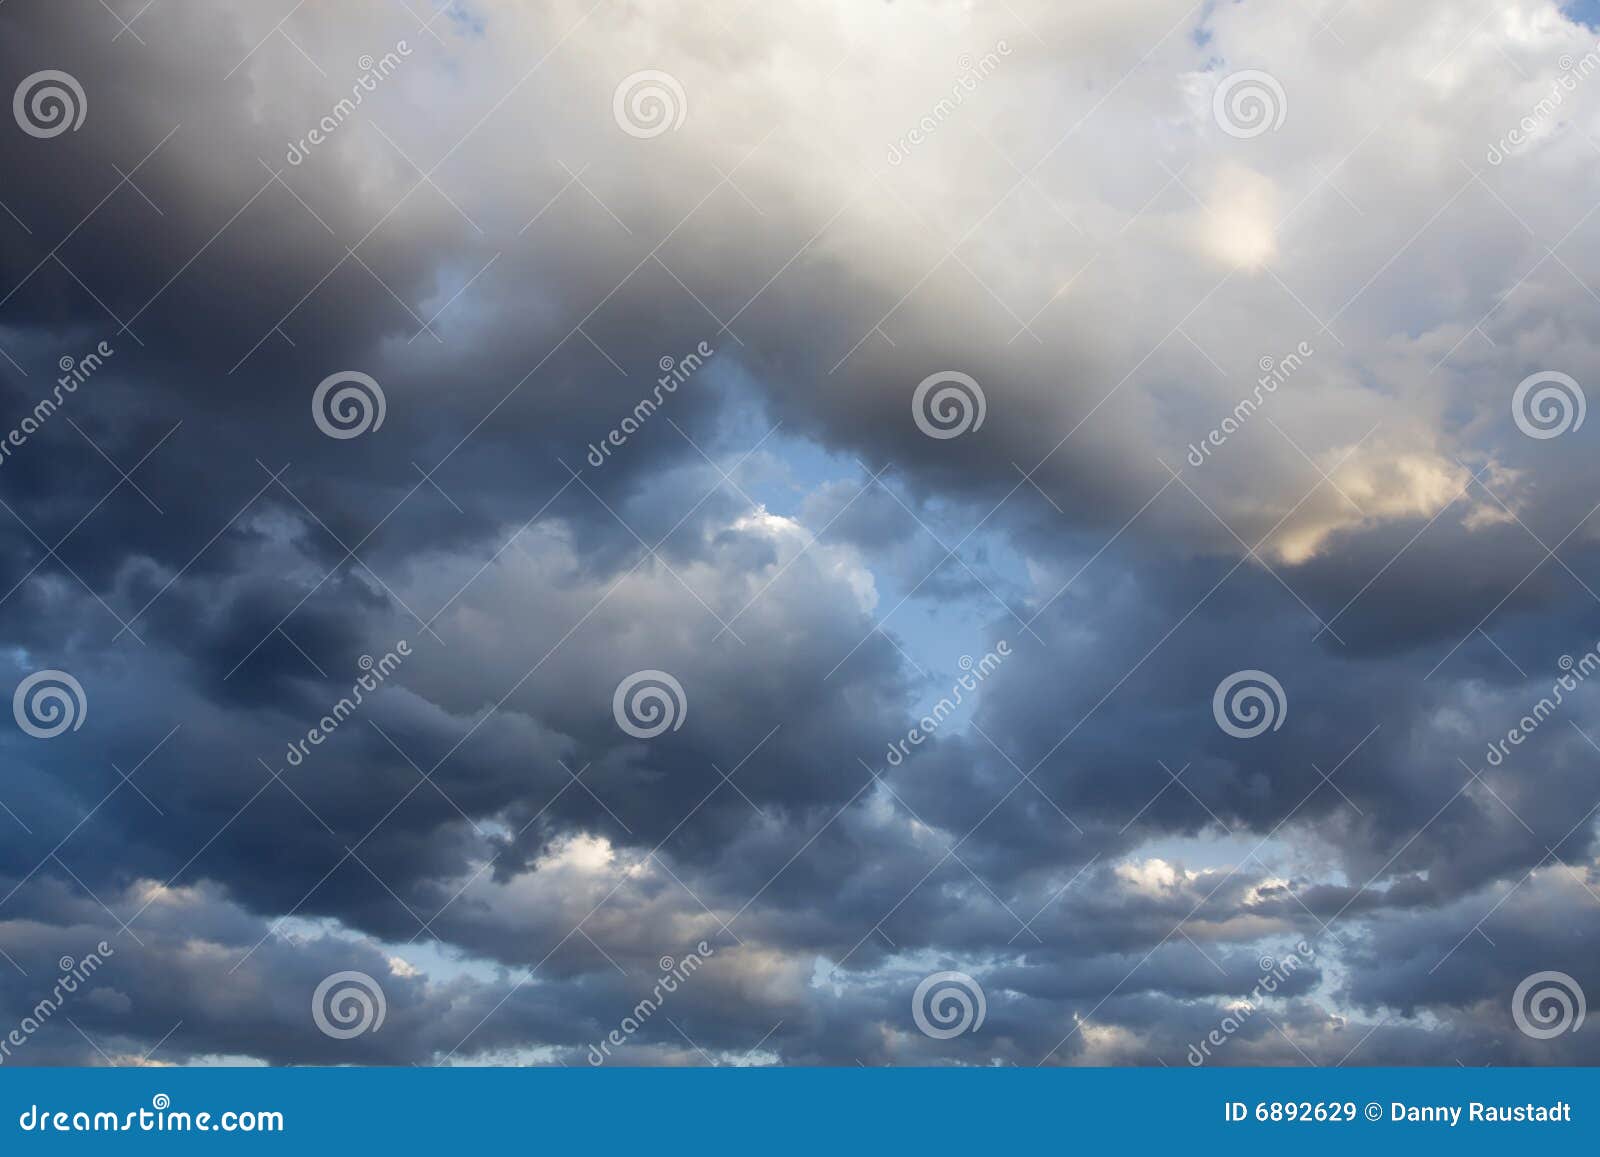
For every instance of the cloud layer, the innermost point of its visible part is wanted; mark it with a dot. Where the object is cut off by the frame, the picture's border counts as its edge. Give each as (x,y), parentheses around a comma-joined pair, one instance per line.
(1245,293)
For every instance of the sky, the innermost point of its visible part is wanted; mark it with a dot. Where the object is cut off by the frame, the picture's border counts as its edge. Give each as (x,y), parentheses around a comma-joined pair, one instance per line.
(915,533)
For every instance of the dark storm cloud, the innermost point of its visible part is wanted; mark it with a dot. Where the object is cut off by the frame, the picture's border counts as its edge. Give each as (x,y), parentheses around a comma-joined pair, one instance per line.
(484,813)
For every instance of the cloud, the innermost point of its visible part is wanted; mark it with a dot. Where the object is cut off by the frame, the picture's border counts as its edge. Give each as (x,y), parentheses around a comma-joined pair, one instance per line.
(1331,314)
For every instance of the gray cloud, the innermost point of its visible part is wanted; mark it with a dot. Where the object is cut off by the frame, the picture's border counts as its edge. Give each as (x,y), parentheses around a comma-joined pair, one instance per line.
(1079,234)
